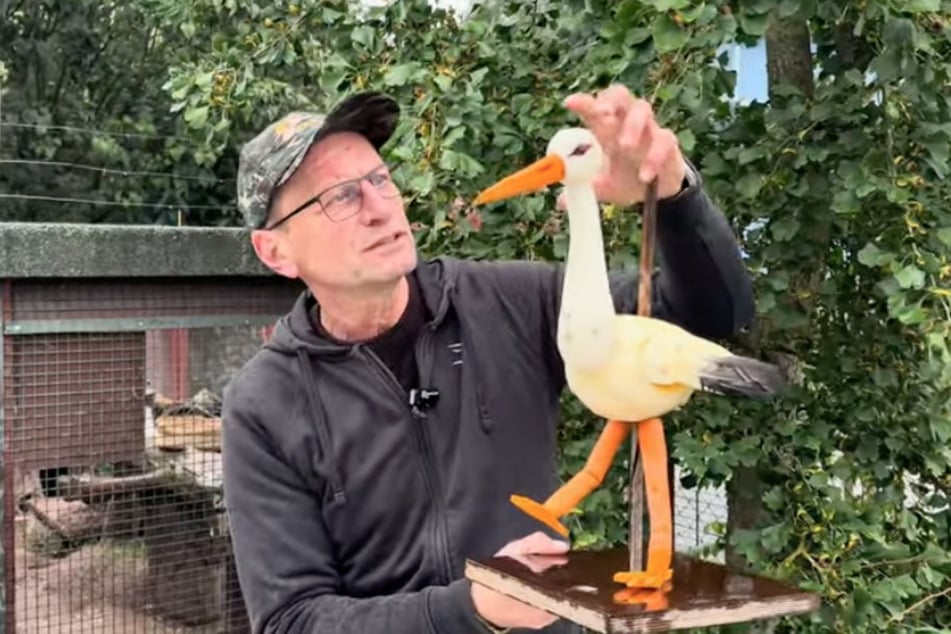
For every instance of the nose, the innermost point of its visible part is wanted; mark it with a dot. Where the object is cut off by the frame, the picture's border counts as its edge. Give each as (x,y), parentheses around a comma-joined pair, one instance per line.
(374,208)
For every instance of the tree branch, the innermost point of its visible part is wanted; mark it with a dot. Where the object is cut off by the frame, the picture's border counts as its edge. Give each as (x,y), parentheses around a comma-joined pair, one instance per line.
(917,604)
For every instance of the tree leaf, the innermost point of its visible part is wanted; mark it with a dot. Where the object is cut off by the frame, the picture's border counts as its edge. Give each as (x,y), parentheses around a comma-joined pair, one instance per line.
(869,255)
(921,6)
(197,116)
(667,5)
(364,36)
(787,8)
(667,35)
(687,140)
(749,185)
(784,229)
(753,24)
(399,74)
(910,277)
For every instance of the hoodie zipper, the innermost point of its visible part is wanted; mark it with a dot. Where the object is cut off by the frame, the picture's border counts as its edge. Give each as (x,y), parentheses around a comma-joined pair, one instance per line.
(430,474)
(424,355)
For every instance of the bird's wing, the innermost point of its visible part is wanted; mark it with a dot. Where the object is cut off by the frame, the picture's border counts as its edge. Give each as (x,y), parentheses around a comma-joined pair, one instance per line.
(667,354)
(666,363)
(672,356)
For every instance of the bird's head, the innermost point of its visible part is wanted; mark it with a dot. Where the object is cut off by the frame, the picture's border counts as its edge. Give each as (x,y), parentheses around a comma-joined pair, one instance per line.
(574,157)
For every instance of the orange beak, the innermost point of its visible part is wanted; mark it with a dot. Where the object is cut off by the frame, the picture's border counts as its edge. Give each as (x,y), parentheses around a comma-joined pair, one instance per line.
(540,174)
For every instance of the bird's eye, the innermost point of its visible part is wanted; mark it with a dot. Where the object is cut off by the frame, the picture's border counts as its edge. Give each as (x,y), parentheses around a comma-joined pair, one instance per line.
(580,150)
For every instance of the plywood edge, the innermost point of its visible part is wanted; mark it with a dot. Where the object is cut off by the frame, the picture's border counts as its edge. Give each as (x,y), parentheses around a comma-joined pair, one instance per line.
(742,611)
(519,590)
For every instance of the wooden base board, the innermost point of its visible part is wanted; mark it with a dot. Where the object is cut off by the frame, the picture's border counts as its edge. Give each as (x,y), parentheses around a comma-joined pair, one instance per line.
(580,589)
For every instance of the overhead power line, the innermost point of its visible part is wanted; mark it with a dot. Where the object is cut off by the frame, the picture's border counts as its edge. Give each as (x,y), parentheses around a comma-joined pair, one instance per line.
(107,170)
(113,203)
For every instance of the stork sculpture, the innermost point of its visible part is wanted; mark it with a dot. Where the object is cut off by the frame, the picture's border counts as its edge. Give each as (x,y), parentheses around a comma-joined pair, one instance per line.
(629,369)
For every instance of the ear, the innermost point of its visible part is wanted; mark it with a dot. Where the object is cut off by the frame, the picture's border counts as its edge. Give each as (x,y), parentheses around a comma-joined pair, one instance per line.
(273,251)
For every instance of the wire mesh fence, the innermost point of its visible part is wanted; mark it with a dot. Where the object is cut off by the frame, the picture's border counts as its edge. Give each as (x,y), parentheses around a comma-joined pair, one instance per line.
(111,403)
(700,516)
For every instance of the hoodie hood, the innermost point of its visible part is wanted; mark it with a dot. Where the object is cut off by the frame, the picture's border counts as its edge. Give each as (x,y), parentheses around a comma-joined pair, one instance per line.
(295,333)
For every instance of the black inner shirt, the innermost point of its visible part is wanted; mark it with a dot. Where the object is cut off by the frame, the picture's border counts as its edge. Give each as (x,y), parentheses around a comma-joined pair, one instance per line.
(396,346)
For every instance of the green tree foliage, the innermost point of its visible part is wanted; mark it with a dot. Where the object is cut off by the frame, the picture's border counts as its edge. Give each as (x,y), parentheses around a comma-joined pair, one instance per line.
(837,188)
(85,118)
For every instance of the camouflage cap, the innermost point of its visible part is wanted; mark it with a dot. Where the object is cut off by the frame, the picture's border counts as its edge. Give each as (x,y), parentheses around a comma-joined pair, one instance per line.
(270,158)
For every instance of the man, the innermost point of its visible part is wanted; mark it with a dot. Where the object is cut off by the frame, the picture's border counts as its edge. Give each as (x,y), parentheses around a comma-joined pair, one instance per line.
(373,443)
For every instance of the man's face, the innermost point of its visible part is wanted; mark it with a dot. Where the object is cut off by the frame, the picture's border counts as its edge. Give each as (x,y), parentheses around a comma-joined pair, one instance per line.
(355,235)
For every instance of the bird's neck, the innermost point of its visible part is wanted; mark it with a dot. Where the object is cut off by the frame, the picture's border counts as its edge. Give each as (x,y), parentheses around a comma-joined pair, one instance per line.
(587,308)
(586,274)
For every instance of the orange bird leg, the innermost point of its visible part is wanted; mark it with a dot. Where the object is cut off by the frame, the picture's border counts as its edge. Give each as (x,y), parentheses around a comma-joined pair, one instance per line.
(650,435)
(562,501)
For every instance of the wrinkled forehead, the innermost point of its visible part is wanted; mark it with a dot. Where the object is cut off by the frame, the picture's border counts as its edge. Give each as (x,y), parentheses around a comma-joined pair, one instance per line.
(337,157)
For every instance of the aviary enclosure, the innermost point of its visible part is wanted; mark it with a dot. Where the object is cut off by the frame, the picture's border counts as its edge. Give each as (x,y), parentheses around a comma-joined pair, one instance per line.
(117,342)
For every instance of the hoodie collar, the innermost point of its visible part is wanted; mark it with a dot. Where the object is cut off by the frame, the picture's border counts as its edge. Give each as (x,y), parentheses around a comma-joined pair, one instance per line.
(295,330)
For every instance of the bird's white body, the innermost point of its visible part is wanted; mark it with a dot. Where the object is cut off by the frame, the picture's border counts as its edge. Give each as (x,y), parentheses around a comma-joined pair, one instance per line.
(622,367)
(654,369)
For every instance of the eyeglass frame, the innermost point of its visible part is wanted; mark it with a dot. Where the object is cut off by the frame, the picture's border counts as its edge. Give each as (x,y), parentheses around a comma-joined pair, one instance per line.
(350,181)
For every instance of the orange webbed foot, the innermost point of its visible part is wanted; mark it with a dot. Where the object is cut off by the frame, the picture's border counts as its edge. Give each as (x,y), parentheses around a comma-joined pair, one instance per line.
(540,512)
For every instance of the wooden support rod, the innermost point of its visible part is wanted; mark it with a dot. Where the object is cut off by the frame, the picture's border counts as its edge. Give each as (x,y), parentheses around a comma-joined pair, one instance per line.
(648,238)
(636,508)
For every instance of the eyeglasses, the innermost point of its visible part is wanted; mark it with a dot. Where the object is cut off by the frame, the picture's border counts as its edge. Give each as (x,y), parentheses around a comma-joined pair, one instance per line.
(345,199)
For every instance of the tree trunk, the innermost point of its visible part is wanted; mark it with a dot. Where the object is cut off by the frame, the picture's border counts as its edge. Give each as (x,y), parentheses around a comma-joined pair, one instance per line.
(744,492)
(788,55)
(788,60)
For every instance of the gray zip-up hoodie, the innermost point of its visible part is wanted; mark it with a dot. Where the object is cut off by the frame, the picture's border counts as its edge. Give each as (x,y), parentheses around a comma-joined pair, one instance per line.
(351,511)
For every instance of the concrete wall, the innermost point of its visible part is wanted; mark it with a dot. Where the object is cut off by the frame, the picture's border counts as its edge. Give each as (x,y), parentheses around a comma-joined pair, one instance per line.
(78,250)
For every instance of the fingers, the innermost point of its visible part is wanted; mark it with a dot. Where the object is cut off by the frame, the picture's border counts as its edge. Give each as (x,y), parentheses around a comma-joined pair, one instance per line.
(606,108)
(626,127)
(643,141)
(638,127)
(538,543)
(582,104)
(612,113)
(602,114)
(507,612)
(538,552)
(662,147)
(541,563)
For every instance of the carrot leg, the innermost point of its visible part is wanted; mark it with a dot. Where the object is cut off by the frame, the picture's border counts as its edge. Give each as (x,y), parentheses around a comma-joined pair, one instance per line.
(660,546)
(581,484)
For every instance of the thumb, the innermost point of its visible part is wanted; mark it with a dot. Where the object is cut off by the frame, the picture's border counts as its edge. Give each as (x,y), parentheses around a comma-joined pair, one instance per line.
(539,543)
